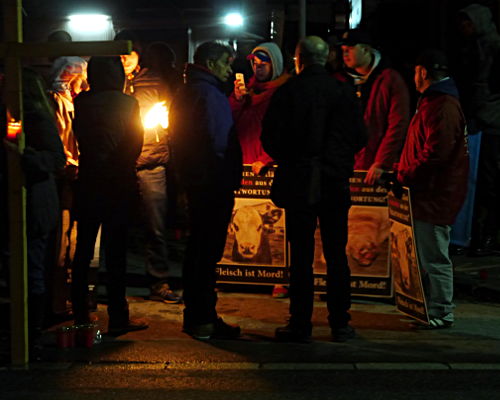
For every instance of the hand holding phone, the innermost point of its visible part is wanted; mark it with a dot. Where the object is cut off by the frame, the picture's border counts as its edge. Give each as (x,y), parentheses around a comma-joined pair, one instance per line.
(240,89)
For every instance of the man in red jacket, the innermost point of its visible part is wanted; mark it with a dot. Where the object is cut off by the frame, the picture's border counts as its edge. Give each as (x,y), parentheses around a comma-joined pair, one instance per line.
(434,164)
(385,103)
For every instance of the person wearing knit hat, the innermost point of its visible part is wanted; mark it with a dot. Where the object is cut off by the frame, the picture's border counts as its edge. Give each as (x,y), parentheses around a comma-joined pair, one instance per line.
(68,77)
(249,105)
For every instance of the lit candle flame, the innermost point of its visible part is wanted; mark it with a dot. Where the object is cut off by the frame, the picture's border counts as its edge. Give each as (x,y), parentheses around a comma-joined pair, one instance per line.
(157,115)
(14,129)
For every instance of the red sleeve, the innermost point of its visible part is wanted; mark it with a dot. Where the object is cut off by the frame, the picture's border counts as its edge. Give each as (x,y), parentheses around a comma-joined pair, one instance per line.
(398,118)
(441,127)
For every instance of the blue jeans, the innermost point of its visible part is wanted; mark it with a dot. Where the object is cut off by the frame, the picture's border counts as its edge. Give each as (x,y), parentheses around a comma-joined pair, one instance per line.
(437,270)
(153,188)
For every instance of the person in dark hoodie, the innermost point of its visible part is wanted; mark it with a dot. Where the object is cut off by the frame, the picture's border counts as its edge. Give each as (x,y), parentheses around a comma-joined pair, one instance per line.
(43,157)
(147,87)
(478,81)
(207,157)
(109,132)
(434,164)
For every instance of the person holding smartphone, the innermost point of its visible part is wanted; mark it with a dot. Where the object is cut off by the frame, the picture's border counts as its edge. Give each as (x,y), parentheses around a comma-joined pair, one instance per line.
(249,104)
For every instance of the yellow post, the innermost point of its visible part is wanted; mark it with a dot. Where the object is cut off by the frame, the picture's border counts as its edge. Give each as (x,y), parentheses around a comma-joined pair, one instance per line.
(17,193)
(13,50)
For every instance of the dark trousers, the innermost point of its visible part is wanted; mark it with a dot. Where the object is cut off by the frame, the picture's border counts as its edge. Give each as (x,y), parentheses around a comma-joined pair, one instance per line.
(37,259)
(210,210)
(113,215)
(332,212)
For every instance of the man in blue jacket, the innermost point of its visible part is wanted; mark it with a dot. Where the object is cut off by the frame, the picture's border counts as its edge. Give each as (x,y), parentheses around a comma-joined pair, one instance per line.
(207,156)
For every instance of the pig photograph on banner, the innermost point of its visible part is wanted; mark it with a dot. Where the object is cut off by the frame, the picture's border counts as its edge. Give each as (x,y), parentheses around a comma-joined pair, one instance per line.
(367,246)
(256,234)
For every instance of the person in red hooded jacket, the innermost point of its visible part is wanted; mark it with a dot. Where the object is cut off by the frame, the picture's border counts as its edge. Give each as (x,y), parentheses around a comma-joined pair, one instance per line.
(249,105)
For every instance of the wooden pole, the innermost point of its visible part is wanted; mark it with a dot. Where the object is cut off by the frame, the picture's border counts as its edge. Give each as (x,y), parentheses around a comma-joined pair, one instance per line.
(13,50)
(17,193)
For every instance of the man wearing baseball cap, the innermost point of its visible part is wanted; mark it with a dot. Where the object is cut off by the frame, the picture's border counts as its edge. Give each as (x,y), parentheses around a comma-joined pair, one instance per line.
(434,164)
(384,99)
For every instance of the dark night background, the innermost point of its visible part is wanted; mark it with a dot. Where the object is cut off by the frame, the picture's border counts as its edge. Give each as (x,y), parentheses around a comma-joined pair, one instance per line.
(401,27)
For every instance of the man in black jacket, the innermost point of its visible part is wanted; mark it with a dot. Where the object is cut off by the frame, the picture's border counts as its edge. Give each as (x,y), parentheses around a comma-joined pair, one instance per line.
(146,86)
(313,128)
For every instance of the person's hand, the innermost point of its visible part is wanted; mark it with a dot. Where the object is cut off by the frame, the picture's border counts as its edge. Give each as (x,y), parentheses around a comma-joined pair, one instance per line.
(373,174)
(257,167)
(240,90)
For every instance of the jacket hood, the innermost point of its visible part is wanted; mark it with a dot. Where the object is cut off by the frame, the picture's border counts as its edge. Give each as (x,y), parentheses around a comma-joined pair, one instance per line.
(106,73)
(360,79)
(482,19)
(445,86)
(64,70)
(274,53)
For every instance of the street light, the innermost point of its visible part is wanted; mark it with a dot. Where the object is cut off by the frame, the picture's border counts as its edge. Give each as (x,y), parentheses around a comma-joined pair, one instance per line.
(234,20)
(90,27)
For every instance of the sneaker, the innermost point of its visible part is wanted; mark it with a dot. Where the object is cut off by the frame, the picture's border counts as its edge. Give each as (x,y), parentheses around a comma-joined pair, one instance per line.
(434,323)
(280,292)
(131,326)
(200,332)
(293,333)
(217,330)
(343,334)
(161,292)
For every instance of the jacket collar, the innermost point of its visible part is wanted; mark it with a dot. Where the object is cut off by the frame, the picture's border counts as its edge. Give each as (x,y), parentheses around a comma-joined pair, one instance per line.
(314,69)
(444,86)
(197,73)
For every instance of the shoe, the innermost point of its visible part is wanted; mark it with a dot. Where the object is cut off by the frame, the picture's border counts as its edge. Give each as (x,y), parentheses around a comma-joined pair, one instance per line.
(217,330)
(487,247)
(455,250)
(161,292)
(434,323)
(132,325)
(280,292)
(225,331)
(340,335)
(293,333)
(200,332)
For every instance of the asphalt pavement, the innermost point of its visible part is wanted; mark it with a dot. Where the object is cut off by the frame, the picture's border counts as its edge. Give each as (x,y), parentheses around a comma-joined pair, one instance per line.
(387,359)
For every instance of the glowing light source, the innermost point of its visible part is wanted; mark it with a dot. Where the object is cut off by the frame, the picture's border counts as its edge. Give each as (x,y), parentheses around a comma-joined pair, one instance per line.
(234,20)
(356,13)
(157,115)
(89,22)
(14,129)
